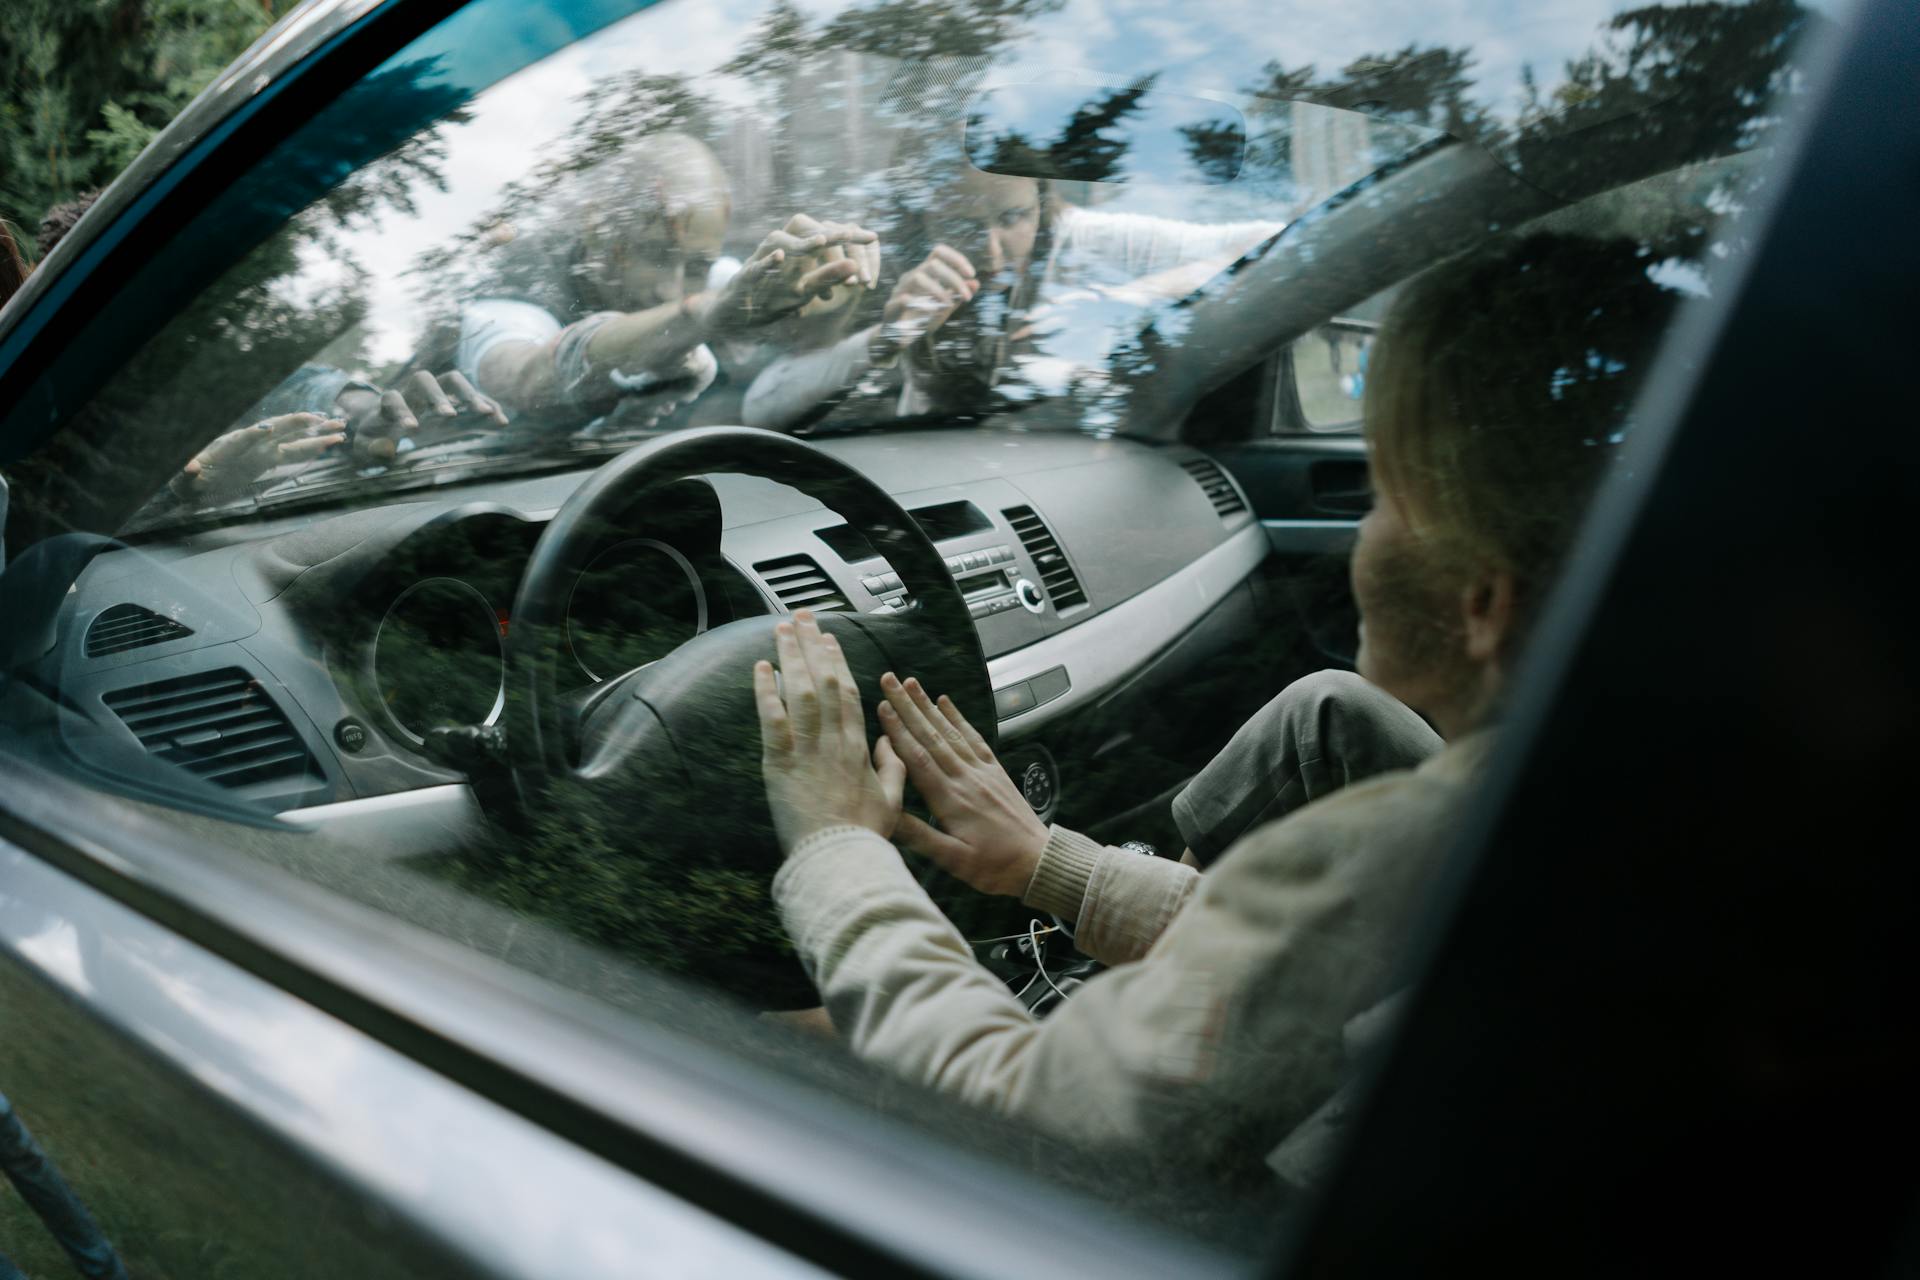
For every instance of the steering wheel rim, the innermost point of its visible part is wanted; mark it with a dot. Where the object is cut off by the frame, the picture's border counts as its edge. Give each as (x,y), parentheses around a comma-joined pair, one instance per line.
(687,720)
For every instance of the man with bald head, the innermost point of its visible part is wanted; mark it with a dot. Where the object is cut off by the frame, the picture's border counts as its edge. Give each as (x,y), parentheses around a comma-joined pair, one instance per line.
(618,300)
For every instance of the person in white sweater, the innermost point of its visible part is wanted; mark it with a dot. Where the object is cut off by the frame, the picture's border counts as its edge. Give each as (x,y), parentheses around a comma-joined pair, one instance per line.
(1501,384)
(974,310)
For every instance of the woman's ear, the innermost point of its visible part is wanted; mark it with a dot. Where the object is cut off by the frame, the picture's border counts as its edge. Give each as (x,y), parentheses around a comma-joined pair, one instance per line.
(1488,604)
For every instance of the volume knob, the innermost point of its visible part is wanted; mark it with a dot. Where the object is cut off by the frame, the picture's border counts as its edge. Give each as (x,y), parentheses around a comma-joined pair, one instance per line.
(1030,596)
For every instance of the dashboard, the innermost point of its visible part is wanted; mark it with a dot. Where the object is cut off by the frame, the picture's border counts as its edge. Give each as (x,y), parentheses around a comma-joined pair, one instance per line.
(301,661)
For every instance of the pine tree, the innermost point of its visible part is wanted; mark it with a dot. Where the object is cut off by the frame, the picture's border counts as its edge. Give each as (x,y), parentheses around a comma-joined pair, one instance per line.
(85,86)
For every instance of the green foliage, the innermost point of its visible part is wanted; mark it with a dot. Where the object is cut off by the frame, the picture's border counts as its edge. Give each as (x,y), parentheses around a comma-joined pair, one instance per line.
(125,136)
(238,336)
(85,84)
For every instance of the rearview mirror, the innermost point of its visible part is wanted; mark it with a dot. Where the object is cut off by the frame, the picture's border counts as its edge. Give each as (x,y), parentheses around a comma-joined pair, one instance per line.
(1103,133)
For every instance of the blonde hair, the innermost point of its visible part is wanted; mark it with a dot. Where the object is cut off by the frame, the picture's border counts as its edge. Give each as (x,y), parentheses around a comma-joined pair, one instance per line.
(1501,386)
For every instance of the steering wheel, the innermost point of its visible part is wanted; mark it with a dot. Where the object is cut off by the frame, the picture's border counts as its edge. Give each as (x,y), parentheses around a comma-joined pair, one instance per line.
(656,772)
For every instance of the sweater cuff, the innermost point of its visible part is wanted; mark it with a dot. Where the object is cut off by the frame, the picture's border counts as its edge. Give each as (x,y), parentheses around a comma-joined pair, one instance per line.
(1059,883)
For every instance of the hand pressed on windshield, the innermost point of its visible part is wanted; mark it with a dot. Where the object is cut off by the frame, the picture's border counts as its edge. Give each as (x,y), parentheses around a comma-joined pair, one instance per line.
(793,269)
(924,298)
(813,741)
(378,420)
(233,461)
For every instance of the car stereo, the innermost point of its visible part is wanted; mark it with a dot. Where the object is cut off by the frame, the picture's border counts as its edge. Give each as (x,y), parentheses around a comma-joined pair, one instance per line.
(988,580)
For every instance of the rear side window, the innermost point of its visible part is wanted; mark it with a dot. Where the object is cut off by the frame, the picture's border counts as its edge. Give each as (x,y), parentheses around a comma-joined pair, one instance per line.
(1329,369)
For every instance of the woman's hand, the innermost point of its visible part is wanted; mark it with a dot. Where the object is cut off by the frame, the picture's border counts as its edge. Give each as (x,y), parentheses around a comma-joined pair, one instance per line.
(991,838)
(924,300)
(813,741)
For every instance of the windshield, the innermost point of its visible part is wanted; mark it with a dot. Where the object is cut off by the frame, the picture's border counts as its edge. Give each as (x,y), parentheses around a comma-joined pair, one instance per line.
(845,217)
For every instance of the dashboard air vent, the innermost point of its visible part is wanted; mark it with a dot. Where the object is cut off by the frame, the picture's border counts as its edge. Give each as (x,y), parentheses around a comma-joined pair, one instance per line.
(800,583)
(1214,483)
(218,725)
(1056,575)
(128,626)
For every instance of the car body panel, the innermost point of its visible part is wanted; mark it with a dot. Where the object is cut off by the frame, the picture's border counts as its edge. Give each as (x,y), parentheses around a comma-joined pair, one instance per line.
(287,1130)
(816,1176)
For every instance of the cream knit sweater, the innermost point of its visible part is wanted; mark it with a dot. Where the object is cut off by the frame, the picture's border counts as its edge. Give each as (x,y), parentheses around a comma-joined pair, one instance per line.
(1219,1027)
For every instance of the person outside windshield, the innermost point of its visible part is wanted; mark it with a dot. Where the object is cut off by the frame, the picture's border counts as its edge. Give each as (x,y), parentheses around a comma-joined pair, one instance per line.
(986,301)
(315,410)
(615,304)
(643,229)
(1499,384)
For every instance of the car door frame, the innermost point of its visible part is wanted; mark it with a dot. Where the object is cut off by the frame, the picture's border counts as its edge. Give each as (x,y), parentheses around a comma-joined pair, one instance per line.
(623,1097)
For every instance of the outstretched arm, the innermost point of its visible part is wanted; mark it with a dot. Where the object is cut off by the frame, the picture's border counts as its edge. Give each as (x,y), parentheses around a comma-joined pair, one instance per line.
(1214,1044)
(805,264)
(797,386)
(1120,901)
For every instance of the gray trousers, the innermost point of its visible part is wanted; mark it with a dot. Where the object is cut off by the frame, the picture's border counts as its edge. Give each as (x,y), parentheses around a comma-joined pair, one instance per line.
(1318,734)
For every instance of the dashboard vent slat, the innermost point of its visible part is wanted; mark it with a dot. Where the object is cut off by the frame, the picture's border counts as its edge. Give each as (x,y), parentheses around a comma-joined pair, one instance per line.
(799,583)
(1049,560)
(129,626)
(1214,483)
(218,725)
(185,712)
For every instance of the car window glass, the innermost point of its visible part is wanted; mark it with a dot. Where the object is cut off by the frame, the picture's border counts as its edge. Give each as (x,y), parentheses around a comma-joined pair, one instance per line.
(357,593)
(1329,375)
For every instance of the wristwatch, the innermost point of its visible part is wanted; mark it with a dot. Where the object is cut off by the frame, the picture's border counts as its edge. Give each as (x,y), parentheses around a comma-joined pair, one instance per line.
(1141,846)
